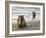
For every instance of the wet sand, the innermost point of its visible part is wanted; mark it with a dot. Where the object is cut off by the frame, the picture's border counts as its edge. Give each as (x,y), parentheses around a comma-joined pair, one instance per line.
(30,26)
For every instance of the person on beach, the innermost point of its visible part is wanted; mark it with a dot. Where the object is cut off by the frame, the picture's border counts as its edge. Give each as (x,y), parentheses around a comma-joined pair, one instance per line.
(34,14)
(21,22)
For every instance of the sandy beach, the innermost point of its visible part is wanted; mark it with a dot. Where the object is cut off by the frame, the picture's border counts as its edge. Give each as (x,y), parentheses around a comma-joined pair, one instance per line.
(32,24)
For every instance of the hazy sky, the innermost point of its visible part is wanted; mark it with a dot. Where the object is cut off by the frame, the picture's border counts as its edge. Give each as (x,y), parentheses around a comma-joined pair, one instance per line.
(24,11)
